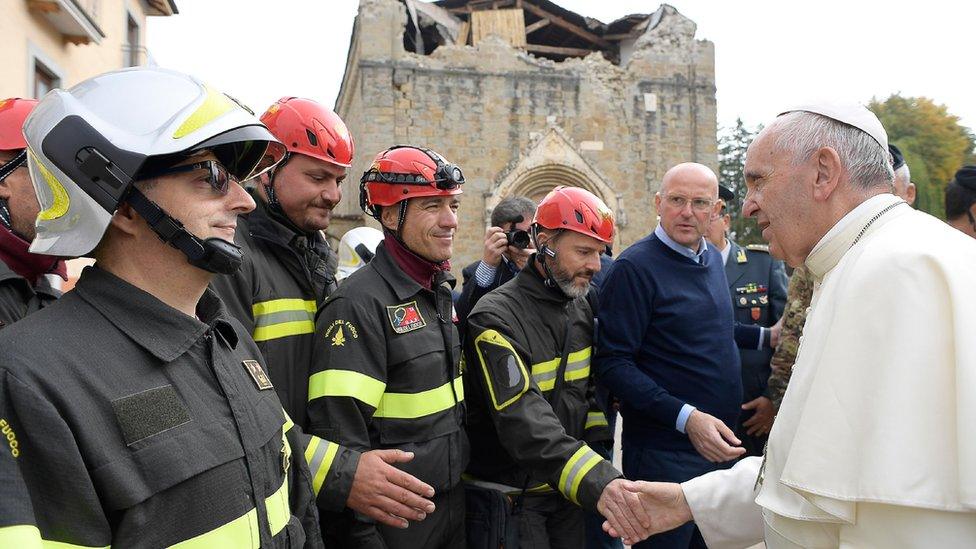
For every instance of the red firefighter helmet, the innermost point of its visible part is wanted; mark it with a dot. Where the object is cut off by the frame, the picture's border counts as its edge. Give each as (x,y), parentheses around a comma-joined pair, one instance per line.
(576,209)
(13,112)
(403,172)
(308,128)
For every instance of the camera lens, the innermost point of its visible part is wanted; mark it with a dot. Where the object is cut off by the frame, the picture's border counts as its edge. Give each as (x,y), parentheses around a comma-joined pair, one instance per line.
(519,239)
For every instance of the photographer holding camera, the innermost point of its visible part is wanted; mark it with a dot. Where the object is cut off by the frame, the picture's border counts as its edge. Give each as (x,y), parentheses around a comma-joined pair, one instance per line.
(507,248)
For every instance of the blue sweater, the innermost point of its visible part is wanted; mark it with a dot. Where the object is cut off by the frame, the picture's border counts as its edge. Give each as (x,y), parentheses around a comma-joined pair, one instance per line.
(666,339)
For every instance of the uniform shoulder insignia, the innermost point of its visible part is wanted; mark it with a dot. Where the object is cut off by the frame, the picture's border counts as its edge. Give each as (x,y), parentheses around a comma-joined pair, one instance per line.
(758,248)
(505,374)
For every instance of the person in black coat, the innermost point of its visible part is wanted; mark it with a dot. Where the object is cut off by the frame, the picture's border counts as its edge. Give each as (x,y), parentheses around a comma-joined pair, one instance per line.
(507,248)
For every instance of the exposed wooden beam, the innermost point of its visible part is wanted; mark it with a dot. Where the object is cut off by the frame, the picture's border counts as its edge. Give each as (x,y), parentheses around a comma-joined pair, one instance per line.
(536,26)
(560,22)
(621,36)
(462,37)
(558,50)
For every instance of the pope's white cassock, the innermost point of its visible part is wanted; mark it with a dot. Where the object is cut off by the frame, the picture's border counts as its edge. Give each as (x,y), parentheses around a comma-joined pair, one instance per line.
(875,441)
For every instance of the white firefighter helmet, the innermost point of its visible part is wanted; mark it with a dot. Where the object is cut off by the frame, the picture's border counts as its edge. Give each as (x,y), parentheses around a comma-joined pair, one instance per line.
(88,144)
(356,248)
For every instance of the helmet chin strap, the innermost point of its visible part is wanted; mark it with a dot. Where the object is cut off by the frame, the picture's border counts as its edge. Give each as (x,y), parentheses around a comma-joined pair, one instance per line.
(274,205)
(215,255)
(545,254)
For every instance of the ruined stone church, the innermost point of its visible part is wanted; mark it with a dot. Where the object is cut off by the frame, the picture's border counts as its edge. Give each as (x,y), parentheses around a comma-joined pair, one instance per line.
(525,95)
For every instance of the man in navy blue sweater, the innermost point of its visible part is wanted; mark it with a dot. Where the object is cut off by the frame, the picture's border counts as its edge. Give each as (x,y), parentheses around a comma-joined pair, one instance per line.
(667,348)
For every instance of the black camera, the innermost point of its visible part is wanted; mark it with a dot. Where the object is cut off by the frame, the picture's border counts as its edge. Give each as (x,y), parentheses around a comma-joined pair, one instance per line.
(518,238)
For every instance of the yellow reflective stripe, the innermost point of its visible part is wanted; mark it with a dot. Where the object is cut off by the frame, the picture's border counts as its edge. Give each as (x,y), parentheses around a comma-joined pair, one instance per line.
(214,105)
(346,383)
(243,531)
(282,318)
(27,536)
(595,419)
(424,403)
(319,455)
(279,511)
(288,422)
(281,305)
(589,464)
(284,329)
(577,367)
(543,367)
(60,201)
(575,469)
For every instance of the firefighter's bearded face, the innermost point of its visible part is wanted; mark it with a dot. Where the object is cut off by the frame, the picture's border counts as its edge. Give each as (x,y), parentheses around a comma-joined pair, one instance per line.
(428,227)
(308,189)
(577,260)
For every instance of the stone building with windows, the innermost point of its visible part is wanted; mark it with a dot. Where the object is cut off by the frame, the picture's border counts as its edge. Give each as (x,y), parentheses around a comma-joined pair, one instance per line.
(58,43)
(525,95)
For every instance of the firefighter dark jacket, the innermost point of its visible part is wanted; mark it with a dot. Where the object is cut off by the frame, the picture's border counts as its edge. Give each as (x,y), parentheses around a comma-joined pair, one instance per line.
(19,299)
(128,423)
(513,347)
(387,370)
(284,278)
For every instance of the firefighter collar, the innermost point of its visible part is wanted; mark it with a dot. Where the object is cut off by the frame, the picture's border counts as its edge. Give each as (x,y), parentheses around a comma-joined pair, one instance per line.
(153,325)
(400,282)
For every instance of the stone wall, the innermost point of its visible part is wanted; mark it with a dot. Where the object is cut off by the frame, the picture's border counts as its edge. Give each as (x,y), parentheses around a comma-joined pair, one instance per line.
(517,123)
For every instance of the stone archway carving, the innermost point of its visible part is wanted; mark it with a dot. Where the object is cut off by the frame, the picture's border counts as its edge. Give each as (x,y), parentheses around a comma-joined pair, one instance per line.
(552,159)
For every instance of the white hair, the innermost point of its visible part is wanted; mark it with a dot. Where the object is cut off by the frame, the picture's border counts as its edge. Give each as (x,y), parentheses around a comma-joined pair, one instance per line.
(804,133)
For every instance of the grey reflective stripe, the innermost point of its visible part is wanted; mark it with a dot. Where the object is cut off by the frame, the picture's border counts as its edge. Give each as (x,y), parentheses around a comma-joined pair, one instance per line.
(575,470)
(318,456)
(268,319)
(544,376)
(578,365)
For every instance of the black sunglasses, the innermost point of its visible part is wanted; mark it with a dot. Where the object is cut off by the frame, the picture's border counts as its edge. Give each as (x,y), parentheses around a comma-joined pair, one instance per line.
(218,176)
(12,165)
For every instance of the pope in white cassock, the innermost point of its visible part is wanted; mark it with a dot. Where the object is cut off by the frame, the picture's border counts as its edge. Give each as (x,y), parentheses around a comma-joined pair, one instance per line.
(874,444)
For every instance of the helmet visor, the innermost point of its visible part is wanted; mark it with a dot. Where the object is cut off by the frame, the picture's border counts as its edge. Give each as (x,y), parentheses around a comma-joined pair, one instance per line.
(246,152)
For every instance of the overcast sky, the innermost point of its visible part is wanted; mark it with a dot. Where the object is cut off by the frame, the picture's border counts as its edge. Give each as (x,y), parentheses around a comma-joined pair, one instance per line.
(768,53)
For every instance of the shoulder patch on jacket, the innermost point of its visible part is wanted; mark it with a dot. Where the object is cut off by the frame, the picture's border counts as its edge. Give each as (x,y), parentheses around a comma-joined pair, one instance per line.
(758,248)
(505,374)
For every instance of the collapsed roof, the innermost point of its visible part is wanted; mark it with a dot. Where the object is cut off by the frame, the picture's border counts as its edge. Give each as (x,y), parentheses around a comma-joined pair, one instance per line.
(540,27)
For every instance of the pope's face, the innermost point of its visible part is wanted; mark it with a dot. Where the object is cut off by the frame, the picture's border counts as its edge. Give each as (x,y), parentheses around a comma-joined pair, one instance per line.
(780,196)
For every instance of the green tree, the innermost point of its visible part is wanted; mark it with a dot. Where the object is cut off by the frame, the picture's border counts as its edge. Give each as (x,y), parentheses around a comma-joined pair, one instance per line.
(934,143)
(732,145)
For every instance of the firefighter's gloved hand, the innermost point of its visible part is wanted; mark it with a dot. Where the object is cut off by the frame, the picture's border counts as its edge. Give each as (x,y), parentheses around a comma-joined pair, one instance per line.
(620,505)
(387,494)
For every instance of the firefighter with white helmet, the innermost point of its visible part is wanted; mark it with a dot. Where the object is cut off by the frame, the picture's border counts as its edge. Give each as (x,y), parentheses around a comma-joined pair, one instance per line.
(137,411)
(357,248)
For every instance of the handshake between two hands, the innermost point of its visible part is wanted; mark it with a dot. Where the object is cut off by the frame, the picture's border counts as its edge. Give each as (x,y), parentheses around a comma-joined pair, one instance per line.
(636,510)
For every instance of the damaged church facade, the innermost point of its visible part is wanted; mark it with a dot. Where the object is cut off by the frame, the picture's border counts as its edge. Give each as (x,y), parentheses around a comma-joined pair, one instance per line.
(525,95)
